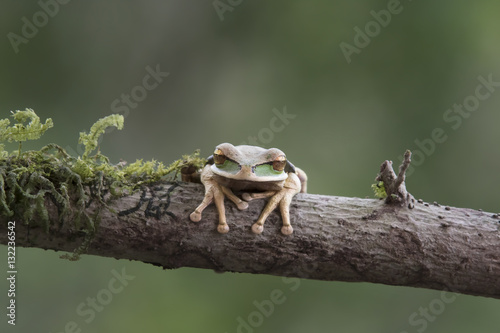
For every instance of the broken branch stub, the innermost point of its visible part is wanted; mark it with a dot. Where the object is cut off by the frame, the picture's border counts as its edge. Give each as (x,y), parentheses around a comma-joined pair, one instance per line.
(395,186)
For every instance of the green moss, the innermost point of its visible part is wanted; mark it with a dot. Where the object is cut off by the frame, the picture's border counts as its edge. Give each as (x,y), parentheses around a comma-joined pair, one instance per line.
(22,130)
(91,140)
(379,190)
(28,179)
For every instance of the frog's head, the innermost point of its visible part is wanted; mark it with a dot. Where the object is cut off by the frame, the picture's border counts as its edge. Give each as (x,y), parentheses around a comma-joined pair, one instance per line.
(250,163)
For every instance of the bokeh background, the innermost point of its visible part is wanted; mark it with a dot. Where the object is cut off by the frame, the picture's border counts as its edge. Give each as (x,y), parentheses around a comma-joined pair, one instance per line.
(229,68)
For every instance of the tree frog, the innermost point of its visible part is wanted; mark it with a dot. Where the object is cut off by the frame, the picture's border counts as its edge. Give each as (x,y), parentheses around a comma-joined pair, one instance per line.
(264,172)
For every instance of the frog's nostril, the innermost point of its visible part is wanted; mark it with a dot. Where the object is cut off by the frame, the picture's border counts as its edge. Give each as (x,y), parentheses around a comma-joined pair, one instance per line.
(247,169)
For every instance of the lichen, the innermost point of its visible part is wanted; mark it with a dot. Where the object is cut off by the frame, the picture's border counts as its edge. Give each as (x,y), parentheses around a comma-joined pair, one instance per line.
(32,181)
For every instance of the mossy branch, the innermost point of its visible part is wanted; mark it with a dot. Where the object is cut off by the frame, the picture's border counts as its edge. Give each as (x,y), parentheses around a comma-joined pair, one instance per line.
(29,179)
(135,212)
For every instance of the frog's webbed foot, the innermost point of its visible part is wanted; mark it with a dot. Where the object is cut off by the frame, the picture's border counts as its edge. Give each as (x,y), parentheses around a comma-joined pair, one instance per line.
(283,198)
(223,228)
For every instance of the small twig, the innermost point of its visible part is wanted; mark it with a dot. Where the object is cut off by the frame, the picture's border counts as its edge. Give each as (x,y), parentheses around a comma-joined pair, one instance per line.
(402,169)
(395,186)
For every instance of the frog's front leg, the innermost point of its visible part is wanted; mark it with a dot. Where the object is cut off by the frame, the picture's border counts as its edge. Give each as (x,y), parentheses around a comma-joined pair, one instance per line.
(258,226)
(219,203)
(214,192)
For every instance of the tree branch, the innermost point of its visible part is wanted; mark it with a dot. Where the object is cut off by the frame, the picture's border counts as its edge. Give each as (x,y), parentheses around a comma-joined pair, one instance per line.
(335,238)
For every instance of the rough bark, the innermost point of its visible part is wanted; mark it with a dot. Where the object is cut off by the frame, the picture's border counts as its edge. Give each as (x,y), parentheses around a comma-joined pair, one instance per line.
(335,238)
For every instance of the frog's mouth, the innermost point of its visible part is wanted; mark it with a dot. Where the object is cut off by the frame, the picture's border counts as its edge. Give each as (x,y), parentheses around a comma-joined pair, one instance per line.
(257,173)
(249,185)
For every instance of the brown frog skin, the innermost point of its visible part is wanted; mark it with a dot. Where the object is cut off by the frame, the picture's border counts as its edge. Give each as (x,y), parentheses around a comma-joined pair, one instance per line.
(265,172)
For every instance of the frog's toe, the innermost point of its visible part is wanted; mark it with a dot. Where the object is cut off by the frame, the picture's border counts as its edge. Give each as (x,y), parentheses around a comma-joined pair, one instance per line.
(242,205)
(257,228)
(223,228)
(287,230)
(195,216)
(246,197)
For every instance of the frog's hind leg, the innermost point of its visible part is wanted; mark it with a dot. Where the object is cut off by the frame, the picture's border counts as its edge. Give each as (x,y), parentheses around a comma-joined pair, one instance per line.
(303,180)
(258,195)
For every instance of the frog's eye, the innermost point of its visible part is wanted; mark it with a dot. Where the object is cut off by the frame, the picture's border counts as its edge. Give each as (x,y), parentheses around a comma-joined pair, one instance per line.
(279,163)
(219,157)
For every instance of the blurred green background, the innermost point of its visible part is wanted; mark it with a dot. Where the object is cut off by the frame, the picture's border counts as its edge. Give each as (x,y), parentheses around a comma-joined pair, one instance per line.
(229,68)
